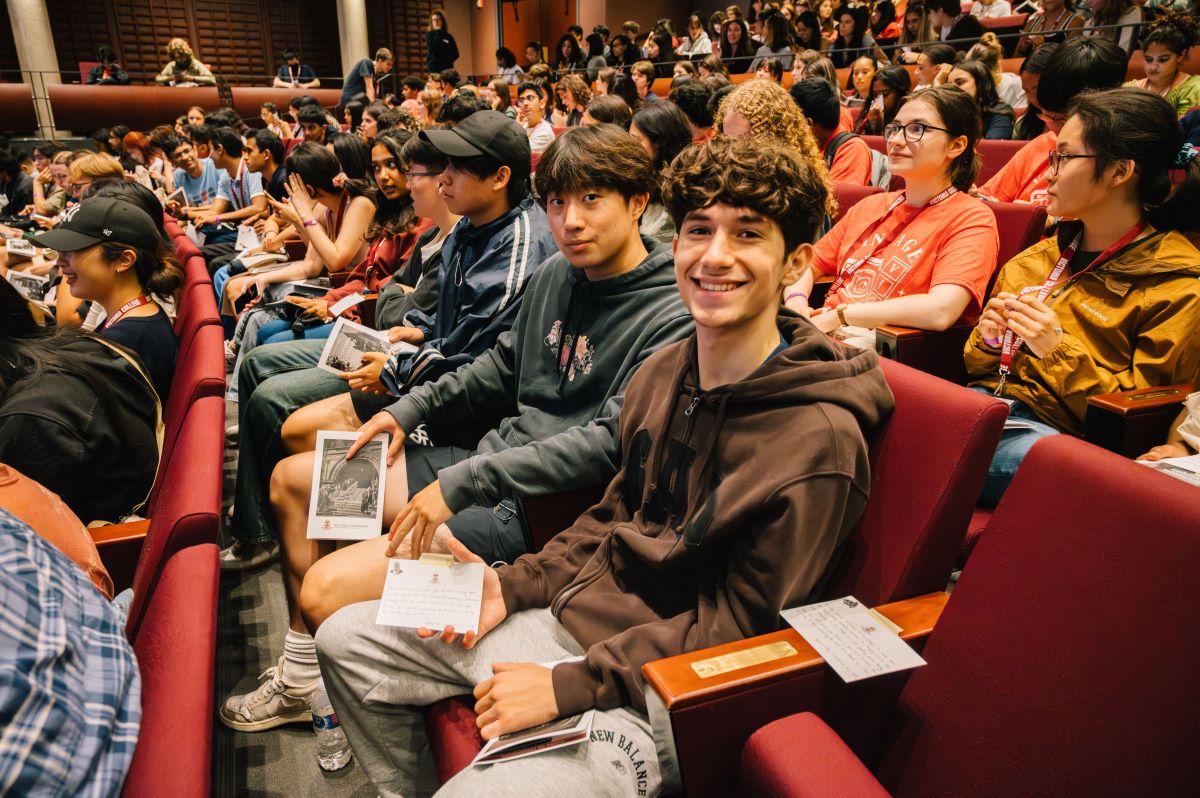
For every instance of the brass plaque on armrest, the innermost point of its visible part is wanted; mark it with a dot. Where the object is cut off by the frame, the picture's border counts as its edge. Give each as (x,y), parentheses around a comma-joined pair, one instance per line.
(714,666)
(1141,397)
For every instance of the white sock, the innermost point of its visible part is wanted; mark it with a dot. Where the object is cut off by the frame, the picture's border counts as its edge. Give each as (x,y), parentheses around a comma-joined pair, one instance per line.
(300,659)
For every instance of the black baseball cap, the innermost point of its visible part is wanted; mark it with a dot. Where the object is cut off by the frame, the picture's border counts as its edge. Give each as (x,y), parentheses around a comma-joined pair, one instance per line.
(483,133)
(101,219)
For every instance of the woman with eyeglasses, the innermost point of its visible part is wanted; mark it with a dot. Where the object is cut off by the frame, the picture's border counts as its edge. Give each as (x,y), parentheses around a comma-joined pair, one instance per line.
(920,257)
(1110,302)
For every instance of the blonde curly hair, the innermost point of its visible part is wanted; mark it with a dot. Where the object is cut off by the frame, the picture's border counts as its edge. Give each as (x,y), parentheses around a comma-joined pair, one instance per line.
(179,47)
(771,114)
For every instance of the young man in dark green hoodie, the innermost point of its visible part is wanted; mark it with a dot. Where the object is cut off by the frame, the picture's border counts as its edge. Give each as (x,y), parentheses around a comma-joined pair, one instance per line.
(535,414)
(743,468)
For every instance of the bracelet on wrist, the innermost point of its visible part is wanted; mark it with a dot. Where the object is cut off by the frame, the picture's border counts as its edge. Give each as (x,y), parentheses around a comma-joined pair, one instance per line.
(794,294)
(992,341)
(310,222)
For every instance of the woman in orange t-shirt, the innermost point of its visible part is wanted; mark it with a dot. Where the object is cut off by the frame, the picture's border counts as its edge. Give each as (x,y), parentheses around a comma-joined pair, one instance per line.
(921,257)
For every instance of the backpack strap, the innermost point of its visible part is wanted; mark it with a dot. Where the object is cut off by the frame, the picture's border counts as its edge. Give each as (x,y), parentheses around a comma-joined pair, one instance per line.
(834,143)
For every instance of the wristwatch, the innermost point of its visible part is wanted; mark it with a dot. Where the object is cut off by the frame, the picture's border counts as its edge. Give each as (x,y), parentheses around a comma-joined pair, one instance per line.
(841,311)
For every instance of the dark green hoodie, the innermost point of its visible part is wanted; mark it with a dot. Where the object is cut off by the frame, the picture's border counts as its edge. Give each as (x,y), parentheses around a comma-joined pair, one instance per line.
(729,507)
(554,382)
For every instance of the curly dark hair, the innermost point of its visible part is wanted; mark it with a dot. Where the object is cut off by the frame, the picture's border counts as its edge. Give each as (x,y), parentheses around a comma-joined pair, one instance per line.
(730,172)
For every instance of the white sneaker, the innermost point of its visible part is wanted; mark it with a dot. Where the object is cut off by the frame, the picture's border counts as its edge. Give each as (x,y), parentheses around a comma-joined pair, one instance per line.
(248,556)
(273,704)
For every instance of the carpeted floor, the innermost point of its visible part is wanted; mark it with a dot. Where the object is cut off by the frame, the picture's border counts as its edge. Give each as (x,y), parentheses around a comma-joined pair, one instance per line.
(251,622)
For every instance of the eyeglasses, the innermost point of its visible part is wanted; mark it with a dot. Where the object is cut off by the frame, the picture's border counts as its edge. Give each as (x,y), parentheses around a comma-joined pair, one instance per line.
(1052,118)
(1056,159)
(423,174)
(79,186)
(913,131)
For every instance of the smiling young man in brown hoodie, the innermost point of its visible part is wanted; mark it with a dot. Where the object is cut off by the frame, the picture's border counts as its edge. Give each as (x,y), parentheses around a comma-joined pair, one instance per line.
(743,468)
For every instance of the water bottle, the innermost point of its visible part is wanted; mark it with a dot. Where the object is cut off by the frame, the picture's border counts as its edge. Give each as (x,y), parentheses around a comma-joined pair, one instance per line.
(333,750)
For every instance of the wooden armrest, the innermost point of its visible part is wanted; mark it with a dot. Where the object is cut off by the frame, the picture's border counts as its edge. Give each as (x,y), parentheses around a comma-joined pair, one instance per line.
(936,352)
(366,309)
(120,546)
(114,534)
(1134,422)
(678,682)
(1142,400)
(820,290)
(704,721)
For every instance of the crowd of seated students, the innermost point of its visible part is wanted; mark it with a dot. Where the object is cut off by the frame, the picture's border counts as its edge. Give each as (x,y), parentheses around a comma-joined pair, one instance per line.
(615,287)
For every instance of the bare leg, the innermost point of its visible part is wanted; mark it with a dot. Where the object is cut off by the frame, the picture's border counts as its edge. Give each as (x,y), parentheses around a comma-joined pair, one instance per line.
(291,489)
(357,572)
(299,433)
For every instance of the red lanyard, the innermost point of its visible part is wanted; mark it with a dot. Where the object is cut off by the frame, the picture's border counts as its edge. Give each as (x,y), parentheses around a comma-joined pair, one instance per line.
(371,255)
(851,266)
(241,182)
(1012,342)
(136,302)
(292,75)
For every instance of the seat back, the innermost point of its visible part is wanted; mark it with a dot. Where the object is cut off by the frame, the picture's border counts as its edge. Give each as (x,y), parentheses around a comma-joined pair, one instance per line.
(1020,226)
(993,155)
(176,651)
(1065,662)
(189,501)
(848,194)
(199,372)
(928,462)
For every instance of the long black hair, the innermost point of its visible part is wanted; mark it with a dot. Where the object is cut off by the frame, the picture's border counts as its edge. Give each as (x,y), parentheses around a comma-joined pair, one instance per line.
(1140,126)
(667,128)
(392,217)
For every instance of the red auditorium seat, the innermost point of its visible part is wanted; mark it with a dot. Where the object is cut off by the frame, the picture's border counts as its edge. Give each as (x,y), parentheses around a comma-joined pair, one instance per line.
(1064,663)
(195,382)
(993,155)
(927,468)
(176,649)
(189,505)
(848,195)
(1019,227)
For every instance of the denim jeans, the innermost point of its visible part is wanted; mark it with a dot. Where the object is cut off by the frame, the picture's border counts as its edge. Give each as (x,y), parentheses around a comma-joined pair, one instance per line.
(1015,443)
(279,331)
(273,382)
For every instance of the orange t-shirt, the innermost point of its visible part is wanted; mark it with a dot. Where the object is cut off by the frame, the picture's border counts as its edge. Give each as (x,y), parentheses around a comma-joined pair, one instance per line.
(1023,178)
(851,162)
(951,243)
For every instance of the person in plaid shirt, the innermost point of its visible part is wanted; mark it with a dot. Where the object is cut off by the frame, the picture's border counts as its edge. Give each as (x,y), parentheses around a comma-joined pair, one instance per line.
(70,693)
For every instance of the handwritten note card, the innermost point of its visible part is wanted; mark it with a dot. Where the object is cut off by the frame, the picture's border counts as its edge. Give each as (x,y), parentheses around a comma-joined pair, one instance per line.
(418,594)
(852,639)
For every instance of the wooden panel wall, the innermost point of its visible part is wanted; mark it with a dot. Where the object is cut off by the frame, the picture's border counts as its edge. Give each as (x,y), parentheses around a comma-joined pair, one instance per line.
(241,40)
(399,25)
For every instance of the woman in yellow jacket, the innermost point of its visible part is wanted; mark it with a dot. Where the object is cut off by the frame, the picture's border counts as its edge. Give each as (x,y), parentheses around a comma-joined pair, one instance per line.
(1112,301)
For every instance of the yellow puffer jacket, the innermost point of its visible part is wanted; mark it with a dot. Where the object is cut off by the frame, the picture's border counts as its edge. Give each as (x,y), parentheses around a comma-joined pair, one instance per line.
(1132,322)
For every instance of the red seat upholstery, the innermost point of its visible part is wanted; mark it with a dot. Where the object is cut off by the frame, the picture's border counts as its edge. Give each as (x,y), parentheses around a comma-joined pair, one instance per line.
(1019,226)
(993,155)
(189,501)
(848,194)
(185,248)
(199,372)
(1065,661)
(928,462)
(176,648)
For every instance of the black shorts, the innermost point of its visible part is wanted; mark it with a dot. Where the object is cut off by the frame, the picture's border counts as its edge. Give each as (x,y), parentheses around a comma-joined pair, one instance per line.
(497,534)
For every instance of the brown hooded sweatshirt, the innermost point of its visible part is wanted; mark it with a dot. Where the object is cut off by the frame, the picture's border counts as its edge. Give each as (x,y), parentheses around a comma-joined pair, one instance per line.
(729,507)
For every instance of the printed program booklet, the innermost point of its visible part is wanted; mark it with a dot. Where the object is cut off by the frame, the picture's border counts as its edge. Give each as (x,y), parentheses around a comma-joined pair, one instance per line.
(555,734)
(346,345)
(347,495)
(856,641)
(1183,468)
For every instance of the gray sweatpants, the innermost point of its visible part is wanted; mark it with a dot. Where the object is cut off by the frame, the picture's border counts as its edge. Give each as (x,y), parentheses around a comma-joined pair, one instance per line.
(378,677)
